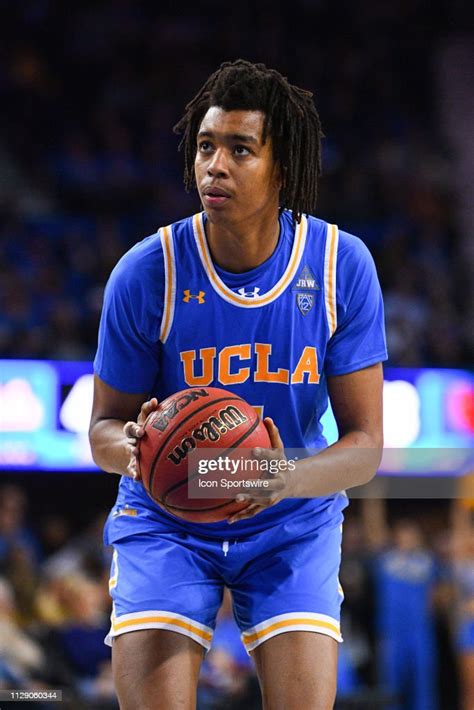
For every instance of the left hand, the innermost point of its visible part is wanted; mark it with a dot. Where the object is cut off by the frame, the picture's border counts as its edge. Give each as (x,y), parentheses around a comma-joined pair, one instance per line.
(281,482)
(134,431)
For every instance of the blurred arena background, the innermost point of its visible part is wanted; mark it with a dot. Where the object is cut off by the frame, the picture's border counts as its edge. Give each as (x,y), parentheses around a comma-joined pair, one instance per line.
(89,165)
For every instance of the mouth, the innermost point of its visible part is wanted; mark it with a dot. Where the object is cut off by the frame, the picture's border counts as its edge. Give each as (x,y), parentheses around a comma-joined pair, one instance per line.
(214,196)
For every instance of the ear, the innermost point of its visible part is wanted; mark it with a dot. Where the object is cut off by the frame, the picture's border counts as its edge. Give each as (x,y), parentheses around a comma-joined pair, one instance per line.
(277,176)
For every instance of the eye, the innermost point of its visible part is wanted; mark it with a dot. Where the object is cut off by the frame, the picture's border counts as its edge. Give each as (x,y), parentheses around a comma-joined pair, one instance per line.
(204,146)
(241,150)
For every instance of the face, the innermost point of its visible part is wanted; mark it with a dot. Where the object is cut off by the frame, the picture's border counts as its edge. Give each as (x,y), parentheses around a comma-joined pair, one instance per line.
(407,536)
(236,175)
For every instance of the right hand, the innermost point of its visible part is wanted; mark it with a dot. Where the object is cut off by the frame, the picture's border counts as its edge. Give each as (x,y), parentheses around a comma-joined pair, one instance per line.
(134,431)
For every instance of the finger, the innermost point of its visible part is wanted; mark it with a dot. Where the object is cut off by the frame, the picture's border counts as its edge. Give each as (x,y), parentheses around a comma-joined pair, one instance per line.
(128,428)
(132,447)
(132,451)
(275,481)
(268,454)
(248,512)
(263,498)
(150,405)
(146,409)
(132,430)
(132,470)
(252,502)
(273,433)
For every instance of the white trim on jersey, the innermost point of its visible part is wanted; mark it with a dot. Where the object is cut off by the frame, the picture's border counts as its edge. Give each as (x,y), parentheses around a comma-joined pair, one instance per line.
(166,237)
(230,296)
(330,275)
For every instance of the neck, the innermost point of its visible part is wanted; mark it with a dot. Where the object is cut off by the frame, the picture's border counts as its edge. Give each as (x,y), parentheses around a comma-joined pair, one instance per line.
(242,247)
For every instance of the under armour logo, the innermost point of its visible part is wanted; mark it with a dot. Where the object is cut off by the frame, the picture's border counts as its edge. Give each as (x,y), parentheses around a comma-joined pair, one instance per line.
(249,294)
(188,296)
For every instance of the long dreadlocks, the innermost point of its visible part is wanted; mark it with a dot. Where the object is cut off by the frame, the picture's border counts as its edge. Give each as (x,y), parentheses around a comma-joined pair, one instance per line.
(290,119)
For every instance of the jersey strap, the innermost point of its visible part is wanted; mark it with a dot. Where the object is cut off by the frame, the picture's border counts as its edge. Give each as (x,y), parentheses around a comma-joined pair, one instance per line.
(330,263)
(170,282)
(226,293)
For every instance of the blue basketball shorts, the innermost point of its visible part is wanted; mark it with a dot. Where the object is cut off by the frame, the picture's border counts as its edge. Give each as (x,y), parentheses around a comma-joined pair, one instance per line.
(282,579)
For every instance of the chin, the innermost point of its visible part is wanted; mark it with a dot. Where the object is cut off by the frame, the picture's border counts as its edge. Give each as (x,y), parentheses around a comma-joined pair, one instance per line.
(216,215)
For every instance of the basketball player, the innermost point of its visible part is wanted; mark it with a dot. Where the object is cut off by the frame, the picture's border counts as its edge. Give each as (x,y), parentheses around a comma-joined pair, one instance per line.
(406,576)
(463,587)
(257,296)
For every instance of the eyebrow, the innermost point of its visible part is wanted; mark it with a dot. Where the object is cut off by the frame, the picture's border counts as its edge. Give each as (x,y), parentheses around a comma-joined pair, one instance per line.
(230,136)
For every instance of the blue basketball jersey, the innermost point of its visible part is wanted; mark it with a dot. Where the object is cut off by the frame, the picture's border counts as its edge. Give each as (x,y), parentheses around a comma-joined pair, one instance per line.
(173,320)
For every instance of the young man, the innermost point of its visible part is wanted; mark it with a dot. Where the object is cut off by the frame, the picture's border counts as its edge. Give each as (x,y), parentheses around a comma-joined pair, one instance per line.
(283,309)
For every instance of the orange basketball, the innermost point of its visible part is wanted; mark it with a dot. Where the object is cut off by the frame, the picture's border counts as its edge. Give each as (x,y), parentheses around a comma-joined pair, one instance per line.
(196,418)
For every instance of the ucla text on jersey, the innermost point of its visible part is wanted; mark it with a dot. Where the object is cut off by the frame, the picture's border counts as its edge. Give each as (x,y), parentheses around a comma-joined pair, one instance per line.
(273,346)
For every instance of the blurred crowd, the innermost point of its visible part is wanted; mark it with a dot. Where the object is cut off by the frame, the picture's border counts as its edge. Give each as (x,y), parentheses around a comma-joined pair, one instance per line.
(89,163)
(408,618)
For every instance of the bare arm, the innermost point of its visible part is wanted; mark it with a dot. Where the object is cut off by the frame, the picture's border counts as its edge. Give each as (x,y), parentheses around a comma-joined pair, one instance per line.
(353,460)
(115,427)
(356,401)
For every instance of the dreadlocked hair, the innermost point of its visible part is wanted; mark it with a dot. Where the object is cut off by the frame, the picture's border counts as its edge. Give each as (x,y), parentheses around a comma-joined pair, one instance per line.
(290,119)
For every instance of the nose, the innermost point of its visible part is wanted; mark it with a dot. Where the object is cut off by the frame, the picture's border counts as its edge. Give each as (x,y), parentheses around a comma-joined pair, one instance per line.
(217,166)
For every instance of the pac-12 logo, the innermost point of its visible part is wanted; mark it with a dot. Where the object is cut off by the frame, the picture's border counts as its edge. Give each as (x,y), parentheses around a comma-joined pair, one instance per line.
(305,302)
(305,286)
(198,296)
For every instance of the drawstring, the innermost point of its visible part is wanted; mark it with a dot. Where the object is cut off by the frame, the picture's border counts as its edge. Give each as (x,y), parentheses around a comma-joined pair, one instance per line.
(225,547)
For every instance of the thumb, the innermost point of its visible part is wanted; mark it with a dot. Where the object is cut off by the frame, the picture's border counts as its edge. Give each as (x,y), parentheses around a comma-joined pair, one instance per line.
(273,433)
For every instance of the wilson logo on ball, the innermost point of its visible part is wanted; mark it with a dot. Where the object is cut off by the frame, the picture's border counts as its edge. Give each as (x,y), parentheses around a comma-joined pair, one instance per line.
(210,430)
